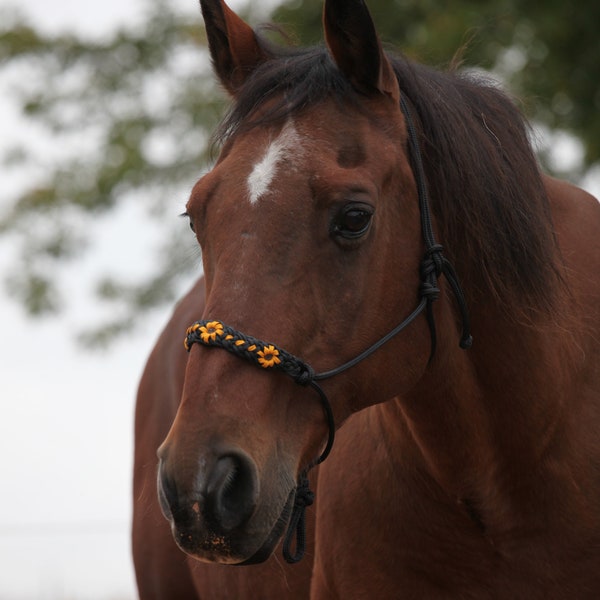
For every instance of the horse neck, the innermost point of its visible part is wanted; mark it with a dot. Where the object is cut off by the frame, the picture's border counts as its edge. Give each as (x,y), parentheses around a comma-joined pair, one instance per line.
(483,420)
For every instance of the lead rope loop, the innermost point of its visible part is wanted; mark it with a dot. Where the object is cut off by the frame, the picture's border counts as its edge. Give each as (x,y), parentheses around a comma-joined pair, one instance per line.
(297,526)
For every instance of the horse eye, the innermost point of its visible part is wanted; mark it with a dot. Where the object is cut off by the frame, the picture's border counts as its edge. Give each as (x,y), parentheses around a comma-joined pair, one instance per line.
(352,222)
(185,214)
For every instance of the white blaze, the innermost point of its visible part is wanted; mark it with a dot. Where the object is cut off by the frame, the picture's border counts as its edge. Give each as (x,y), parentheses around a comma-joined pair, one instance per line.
(264,171)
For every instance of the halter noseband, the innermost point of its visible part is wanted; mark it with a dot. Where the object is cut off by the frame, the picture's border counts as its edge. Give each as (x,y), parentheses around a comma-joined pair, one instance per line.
(270,357)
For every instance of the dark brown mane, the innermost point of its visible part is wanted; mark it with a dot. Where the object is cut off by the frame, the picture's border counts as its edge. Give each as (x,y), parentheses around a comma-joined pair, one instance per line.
(484,180)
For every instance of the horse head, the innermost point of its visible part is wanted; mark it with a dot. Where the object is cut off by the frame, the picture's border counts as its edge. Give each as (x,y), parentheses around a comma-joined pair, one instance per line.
(311,239)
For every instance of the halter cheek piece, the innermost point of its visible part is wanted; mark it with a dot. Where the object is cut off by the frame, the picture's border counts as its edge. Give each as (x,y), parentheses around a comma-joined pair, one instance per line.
(270,357)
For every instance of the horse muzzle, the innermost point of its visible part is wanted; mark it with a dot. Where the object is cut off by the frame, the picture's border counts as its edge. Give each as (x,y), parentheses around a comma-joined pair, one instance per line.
(216,510)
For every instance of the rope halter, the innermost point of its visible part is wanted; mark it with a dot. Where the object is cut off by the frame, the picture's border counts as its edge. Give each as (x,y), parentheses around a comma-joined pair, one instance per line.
(270,357)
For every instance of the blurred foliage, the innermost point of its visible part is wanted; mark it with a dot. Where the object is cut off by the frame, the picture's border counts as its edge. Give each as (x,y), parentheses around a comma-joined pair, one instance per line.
(548,53)
(131,116)
(127,116)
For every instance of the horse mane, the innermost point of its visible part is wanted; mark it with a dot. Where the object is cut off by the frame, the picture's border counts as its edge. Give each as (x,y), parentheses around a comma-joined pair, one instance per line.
(486,189)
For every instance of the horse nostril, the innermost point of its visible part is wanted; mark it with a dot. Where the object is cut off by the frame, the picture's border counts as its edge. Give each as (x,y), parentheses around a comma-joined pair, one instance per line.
(227,499)
(232,490)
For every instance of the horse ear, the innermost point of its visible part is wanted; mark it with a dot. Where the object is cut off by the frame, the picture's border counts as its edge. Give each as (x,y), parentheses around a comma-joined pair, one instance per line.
(233,45)
(356,49)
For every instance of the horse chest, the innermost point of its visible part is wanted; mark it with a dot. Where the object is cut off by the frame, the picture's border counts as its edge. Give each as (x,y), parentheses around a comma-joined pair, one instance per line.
(388,532)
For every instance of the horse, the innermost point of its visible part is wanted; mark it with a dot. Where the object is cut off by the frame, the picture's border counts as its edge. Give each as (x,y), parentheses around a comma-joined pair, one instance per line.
(398,321)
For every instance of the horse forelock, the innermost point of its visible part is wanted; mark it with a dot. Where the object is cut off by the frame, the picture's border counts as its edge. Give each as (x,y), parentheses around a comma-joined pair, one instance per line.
(288,83)
(486,188)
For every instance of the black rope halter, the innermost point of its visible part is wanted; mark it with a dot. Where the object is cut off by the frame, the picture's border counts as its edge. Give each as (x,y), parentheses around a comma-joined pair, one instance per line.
(270,357)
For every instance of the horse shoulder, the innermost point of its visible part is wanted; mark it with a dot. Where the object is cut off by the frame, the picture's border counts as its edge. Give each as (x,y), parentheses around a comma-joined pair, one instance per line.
(576,217)
(378,509)
(576,220)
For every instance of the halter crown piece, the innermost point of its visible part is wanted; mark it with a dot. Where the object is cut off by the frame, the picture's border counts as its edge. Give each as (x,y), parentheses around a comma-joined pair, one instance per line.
(270,357)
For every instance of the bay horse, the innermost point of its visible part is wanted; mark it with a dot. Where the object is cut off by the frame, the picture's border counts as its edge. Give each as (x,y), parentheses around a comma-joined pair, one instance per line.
(365,216)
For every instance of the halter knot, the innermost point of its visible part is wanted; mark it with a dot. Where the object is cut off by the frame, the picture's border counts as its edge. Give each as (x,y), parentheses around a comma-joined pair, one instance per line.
(305,373)
(432,266)
(304,495)
(435,255)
